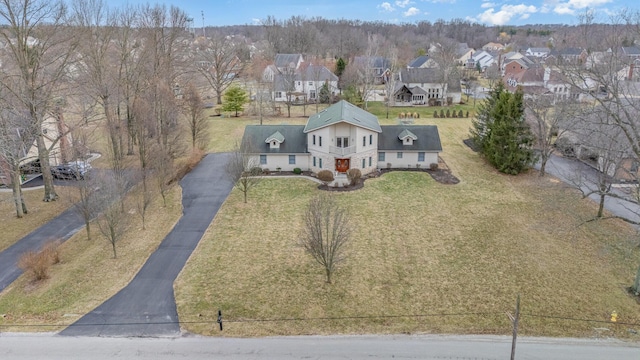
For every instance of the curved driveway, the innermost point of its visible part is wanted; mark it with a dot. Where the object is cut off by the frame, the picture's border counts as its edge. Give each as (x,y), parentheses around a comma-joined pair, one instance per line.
(146,306)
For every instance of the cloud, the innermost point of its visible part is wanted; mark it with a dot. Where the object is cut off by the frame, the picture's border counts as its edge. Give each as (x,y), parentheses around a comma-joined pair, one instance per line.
(506,13)
(487,5)
(570,7)
(412,11)
(385,6)
(403,3)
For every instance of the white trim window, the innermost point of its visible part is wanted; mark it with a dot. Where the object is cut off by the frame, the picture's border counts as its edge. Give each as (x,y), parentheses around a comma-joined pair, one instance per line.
(292,159)
(263,159)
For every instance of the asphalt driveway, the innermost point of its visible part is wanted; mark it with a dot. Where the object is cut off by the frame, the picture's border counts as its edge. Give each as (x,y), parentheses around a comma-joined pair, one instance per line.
(146,306)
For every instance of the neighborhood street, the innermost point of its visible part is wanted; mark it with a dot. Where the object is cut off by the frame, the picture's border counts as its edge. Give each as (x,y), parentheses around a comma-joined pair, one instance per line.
(425,347)
(146,306)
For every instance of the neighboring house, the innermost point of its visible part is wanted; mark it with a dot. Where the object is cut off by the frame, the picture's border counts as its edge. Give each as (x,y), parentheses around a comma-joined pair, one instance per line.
(283,63)
(492,46)
(424,86)
(463,53)
(538,52)
(305,83)
(631,52)
(379,67)
(482,59)
(340,138)
(539,80)
(422,61)
(571,55)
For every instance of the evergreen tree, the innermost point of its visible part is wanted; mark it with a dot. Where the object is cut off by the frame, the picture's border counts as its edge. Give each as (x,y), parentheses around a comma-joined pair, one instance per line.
(234,99)
(500,133)
(324,94)
(340,66)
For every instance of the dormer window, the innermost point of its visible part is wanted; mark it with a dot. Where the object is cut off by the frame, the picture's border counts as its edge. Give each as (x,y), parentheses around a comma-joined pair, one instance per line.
(274,140)
(407,137)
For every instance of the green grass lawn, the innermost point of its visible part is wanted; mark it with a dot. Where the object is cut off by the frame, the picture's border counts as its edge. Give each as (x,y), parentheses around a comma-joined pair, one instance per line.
(421,248)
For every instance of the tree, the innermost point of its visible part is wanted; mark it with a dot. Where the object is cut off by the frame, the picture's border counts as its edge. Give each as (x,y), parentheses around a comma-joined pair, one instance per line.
(445,54)
(218,62)
(114,220)
(549,120)
(326,230)
(234,99)
(324,95)
(501,134)
(194,110)
(243,168)
(340,66)
(39,48)
(16,135)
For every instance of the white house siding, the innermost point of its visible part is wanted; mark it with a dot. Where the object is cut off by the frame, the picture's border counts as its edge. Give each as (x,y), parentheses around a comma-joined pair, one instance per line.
(409,159)
(275,161)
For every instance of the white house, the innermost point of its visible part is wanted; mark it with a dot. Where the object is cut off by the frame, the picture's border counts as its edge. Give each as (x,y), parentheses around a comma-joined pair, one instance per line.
(305,83)
(425,86)
(339,138)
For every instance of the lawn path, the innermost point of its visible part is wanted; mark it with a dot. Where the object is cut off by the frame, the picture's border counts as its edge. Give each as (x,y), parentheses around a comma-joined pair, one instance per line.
(146,307)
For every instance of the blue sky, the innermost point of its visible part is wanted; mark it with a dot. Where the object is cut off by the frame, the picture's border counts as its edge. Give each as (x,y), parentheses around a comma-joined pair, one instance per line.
(490,12)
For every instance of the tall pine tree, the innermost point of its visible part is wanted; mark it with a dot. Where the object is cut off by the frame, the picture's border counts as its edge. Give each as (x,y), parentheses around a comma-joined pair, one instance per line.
(501,134)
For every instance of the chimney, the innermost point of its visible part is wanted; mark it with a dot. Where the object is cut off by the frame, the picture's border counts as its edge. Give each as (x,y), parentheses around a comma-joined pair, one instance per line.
(631,66)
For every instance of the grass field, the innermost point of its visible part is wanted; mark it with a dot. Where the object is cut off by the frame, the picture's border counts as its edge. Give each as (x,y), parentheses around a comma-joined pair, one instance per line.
(456,256)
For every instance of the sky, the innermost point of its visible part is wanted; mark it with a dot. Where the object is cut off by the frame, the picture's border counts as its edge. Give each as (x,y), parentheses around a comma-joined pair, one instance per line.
(489,12)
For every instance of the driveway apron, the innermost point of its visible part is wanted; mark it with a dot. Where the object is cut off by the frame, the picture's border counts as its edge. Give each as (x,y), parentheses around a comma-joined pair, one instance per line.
(146,306)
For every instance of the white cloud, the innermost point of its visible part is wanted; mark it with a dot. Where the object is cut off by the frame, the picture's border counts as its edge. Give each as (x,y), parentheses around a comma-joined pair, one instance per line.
(441,1)
(385,6)
(403,3)
(569,7)
(506,13)
(412,11)
(256,21)
(486,5)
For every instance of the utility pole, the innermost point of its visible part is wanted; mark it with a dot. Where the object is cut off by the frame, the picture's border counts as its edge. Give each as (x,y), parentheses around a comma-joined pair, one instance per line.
(204,33)
(514,320)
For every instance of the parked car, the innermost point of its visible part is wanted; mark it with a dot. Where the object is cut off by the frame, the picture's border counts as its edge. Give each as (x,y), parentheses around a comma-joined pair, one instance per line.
(74,170)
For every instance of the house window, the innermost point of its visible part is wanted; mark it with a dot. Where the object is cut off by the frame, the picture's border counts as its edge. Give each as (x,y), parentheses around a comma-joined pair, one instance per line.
(299,83)
(363,163)
(364,141)
(312,94)
(263,159)
(342,142)
(320,143)
(399,154)
(380,156)
(320,163)
(421,156)
(310,83)
(314,161)
(292,159)
(278,94)
(370,139)
(369,160)
(314,139)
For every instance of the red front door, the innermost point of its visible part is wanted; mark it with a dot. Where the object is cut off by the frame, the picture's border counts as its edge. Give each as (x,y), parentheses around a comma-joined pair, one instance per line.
(342,165)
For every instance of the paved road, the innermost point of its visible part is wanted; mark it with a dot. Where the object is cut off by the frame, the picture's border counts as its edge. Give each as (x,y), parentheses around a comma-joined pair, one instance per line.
(146,307)
(569,170)
(16,346)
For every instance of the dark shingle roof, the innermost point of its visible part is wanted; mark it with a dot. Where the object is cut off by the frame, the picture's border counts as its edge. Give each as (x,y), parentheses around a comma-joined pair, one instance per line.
(419,75)
(284,60)
(295,141)
(428,138)
(419,61)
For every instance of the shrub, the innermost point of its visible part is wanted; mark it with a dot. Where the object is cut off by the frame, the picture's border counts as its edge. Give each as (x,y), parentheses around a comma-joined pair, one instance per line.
(433,166)
(435,113)
(354,176)
(37,263)
(265,171)
(454,114)
(441,113)
(297,171)
(417,166)
(255,171)
(448,113)
(388,165)
(467,113)
(460,114)
(325,176)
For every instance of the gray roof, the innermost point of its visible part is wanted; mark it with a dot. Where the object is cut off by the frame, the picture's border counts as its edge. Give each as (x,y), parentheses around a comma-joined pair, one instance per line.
(419,61)
(284,60)
(406,133)
(277,136)
(295,141)
(419,75)
(428,138)
(631,50)
(316,72)
(376,62)
(343,111)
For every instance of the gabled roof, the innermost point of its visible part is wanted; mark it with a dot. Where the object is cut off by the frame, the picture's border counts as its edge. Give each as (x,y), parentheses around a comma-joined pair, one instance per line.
(631,51)
(418,62)
(316,72)
(419,75)
(255,136)
(427,138)
(376,62)
(277,136)
(343,111)
(284,60)
(407,134)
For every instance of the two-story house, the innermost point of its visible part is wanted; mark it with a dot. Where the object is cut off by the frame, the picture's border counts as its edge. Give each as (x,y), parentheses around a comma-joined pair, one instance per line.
(339,138)
(305,83)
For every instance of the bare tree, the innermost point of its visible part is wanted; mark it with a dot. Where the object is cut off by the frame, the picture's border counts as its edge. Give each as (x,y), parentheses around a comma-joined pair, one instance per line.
(114,220)
(244,169)
(40,46)
(326,231)
(217,60)
(549,120)
(16,135)
(444,54)
(88,204)
(194,111)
